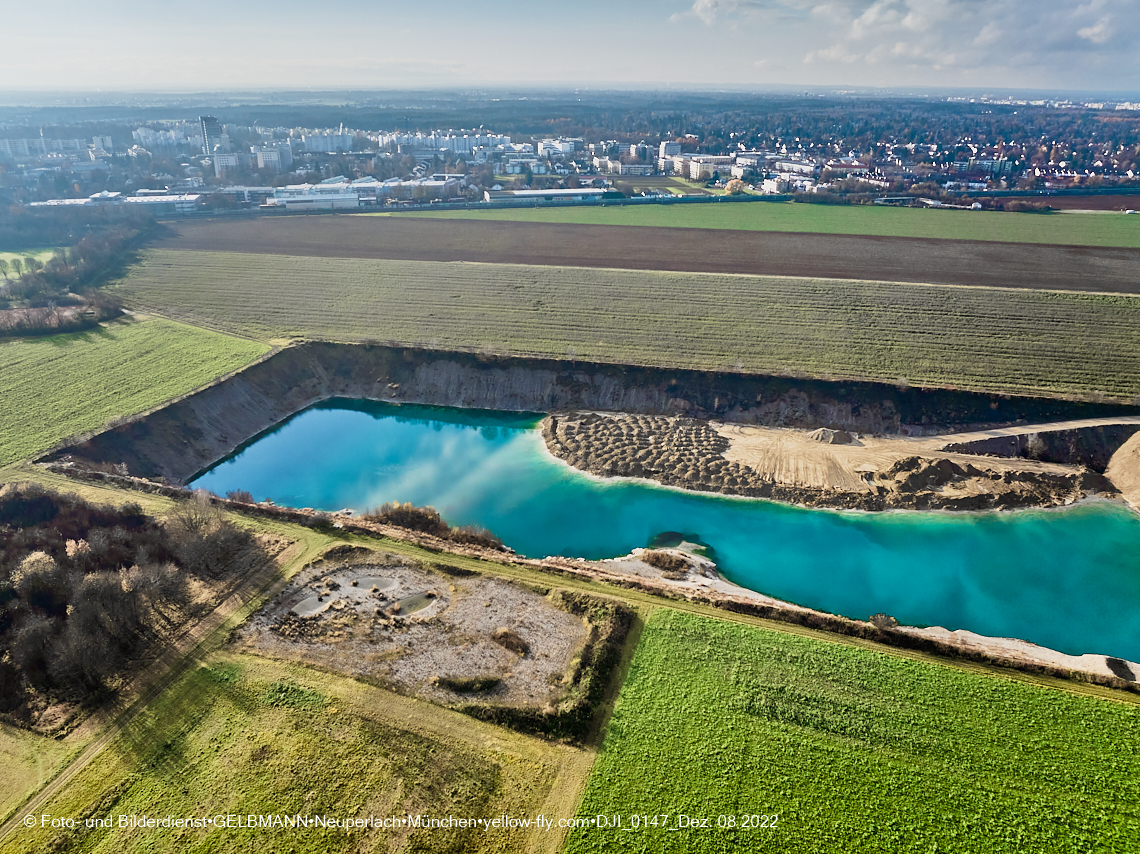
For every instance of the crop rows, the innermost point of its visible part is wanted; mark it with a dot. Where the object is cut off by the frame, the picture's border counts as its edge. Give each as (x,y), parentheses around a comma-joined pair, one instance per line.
(980,339)
(854,750)
(1056,229)
(57,386)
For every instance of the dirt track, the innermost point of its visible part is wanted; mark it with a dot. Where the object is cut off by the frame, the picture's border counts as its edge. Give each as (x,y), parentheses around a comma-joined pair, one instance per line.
(894,259)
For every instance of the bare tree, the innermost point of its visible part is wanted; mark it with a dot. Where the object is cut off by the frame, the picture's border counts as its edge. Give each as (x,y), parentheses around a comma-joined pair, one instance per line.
(28,647)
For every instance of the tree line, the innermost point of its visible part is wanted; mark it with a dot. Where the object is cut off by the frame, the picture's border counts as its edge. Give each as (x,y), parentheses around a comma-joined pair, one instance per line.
(86,588)
(60,293)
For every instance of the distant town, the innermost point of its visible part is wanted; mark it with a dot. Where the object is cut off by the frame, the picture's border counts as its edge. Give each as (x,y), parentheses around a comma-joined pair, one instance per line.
(208,165)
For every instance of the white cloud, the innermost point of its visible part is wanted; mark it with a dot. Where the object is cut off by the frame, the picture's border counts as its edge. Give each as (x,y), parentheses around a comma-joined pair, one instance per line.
(708,10)
(1098,33)
(835,53)
(988,35)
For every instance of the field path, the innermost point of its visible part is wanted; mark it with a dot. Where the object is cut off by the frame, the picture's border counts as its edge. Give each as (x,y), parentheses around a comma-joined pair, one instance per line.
(162,673)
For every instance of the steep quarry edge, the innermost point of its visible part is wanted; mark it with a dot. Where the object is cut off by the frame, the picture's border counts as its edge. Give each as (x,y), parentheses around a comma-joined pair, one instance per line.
(181,439)
(1124,471)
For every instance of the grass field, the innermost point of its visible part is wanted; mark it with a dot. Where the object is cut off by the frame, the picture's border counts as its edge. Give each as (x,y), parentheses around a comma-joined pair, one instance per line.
(60,385)
(28,760)
(853,750)
(246,735)
(968,338)
(43,253)
(879,221)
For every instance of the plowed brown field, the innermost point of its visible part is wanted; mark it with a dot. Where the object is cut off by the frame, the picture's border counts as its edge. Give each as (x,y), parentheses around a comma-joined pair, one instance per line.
(892,259)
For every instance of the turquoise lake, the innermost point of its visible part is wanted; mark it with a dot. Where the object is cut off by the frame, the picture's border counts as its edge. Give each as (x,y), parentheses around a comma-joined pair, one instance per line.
(1066,579)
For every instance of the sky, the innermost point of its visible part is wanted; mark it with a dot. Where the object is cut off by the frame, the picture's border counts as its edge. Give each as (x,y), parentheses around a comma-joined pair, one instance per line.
(132,45)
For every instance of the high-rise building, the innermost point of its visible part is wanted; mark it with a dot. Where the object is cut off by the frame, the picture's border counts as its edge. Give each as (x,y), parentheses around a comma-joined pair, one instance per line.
(211,133)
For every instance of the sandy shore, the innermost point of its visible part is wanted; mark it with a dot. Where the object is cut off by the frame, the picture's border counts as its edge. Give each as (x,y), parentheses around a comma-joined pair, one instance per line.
(702,579)
(821,468)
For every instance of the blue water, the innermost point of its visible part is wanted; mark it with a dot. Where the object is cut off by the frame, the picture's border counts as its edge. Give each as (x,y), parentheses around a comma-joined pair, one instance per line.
(1065,579)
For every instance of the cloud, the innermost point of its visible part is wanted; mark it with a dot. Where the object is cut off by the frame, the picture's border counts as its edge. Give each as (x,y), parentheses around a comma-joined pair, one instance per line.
(1018,39)
(988,35)
(835,53)
(1098,33)
(709,10)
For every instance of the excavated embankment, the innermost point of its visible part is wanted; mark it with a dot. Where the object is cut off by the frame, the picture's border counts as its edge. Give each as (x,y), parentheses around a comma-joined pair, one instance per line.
(1088,446)
(689,454)
(186,436)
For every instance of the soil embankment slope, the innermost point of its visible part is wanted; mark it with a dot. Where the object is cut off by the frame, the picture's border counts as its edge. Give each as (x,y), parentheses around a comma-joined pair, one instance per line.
(1124,471)
(177,442)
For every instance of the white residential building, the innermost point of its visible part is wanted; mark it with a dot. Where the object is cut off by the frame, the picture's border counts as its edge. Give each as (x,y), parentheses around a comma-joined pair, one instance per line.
(328,142)
(557,147)
(518,165)
(706,165)
(797,167)
(463,142)
(38,146)
(222,162)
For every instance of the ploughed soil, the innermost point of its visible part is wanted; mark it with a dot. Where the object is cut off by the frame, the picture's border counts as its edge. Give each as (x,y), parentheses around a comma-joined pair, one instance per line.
(894,259)
(824,468)
(413,628)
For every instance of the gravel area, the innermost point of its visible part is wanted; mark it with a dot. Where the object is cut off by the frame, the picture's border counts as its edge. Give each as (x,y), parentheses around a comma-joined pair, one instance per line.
(798,467)
(358,629)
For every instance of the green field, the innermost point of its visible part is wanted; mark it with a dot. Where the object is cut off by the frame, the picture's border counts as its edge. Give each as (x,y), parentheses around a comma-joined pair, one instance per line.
(29,761)
(57,386)
(248,736)
(987,339)
(1109,230)
(853,750)
(43,253)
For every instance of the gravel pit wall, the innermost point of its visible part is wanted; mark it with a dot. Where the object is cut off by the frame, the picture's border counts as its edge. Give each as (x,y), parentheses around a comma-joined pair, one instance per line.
(191,433)
(1093,447)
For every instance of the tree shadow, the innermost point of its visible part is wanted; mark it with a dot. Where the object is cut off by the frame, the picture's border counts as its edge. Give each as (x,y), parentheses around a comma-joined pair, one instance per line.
(83,336)
(1120,669)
